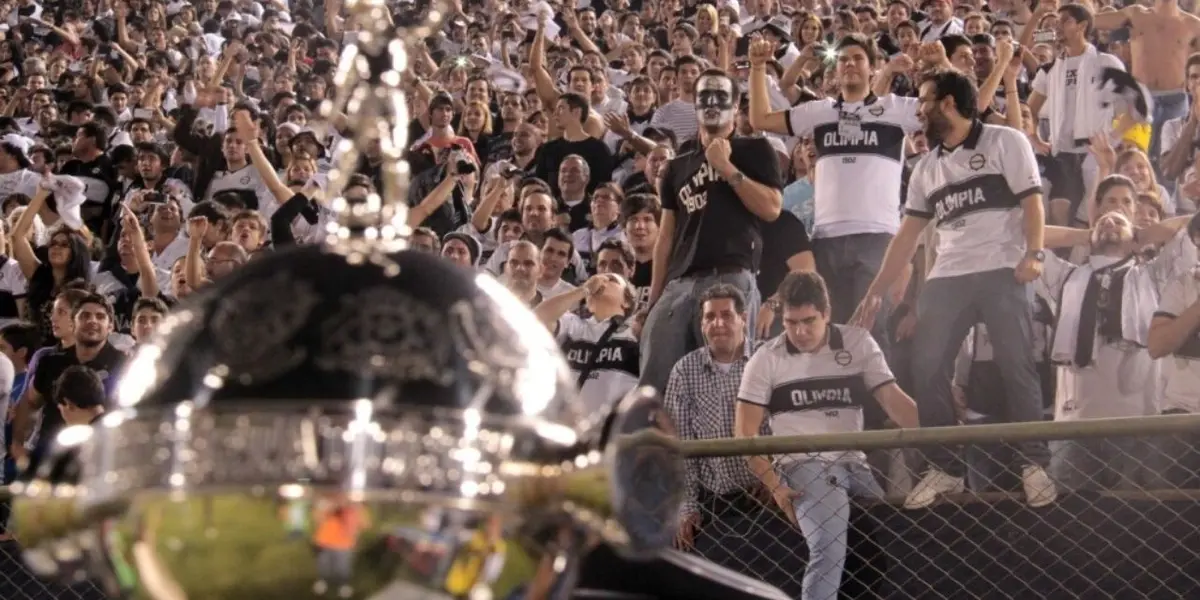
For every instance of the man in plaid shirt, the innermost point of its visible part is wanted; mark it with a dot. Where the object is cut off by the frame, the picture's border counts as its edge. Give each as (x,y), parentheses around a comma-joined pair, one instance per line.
(724,518)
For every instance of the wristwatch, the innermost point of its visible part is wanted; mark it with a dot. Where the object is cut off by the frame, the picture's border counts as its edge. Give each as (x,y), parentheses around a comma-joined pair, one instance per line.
(736,179)
(1038,255)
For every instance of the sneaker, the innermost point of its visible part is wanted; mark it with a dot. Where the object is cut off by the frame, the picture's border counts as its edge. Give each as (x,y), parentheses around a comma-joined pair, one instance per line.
(933,484)
(345,592)
(1039,488)
(320,587)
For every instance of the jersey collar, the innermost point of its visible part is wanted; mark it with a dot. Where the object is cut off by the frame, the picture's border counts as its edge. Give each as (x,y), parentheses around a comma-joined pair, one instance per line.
(969,143)
(833,340)
(869,100)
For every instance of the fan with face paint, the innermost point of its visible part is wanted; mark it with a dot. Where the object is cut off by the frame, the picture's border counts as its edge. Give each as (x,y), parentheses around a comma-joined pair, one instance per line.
(716,102)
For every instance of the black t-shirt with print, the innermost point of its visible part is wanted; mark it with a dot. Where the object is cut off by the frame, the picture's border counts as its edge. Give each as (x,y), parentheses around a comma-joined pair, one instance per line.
(123,301)
(107,364)
(782,239)
(641,280)
(713,228)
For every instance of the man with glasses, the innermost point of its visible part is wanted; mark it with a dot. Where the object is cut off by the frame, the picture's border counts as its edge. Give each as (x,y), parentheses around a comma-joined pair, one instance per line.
(604,226)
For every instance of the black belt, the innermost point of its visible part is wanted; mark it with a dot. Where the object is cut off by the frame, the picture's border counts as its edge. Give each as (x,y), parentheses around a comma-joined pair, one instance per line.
(718,505)
(710,271)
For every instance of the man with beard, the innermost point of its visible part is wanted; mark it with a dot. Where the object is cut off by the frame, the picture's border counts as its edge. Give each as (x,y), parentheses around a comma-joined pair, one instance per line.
(982,190)
(93,320)
(714,203)
(1105,309)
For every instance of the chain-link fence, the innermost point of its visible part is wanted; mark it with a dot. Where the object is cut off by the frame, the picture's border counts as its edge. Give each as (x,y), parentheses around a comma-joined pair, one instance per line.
(1119,513)
(18,583)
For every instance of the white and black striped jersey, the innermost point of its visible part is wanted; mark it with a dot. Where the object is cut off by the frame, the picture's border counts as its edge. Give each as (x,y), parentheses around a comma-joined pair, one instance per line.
(248,183)
(614,365)
(860,175)
(973,194)
(817,392)
(98,175)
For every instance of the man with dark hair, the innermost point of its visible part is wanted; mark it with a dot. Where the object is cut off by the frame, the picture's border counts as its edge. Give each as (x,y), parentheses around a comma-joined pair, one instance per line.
(93,320)
(79,396)
(980,186)
(640,217)
(679,115)
(715,200)
(815,379)
(147,314)
(722,517)
(1068,88)
(859,140)
(91,166)
(570,114)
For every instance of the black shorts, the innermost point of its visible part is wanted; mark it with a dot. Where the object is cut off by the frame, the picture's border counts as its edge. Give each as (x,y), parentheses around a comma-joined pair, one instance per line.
(1066,179)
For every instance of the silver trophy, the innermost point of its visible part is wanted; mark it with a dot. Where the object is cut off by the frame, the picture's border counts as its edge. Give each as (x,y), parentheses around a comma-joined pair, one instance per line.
(351,420)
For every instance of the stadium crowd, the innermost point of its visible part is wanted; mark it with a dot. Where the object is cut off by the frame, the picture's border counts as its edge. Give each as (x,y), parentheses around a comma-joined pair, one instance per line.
(789,216)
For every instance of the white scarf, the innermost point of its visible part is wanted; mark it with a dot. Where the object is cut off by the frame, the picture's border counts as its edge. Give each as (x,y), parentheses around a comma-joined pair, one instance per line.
(1139,299)
(1090,115)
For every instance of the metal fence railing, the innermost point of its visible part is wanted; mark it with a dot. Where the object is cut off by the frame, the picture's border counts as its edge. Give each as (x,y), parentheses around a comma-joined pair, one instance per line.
(1125,524)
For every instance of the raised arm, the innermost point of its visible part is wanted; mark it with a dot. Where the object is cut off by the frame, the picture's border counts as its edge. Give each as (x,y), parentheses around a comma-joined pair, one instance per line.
(22,248)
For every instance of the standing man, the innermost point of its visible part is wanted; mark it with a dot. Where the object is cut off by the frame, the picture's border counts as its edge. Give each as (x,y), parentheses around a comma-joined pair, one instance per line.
(522,270)
(859,139)
(1069,88)
(714,202)
(1162,36)
(981,188)
(722,517)
(93,319)
(815,379)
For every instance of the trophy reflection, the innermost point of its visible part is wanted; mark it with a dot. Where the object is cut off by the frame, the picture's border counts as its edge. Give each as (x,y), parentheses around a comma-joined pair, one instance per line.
(350,419)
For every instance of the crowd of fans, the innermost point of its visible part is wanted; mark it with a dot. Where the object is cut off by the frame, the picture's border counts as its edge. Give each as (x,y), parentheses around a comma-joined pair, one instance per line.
(695,196)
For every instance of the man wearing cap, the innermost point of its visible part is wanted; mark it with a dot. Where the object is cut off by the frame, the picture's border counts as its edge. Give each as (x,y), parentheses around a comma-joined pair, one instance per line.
(461,249)
(778,32)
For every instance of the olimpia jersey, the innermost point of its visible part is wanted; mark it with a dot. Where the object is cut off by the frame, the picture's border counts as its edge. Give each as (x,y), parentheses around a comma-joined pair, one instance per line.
(860,160)
(806,393)
(614,363)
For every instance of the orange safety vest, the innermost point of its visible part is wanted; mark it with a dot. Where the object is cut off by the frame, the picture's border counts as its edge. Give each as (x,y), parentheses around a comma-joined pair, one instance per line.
(338,530)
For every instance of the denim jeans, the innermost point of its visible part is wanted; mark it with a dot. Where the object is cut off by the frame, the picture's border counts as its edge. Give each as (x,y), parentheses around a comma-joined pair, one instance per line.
(848,264)
(991,467)
(946,311)
(1167,106)
(335,566)
(672,328)
(823,511)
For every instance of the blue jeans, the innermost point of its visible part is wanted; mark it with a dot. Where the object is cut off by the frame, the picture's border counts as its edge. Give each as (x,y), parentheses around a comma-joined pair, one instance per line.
(335,566)
(848,264)
(672,328)
(1167,106)
(946,311)
(823,511)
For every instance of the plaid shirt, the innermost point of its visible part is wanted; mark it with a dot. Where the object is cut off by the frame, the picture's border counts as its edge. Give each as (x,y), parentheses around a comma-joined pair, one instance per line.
(700,399)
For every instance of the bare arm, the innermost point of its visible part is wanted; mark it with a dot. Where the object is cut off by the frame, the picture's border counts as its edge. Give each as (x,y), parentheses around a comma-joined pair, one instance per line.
(22,249)
(900,407)
(762,117)
(1167,334)
(551,309)
(662,255)
(432,201)
(747,420)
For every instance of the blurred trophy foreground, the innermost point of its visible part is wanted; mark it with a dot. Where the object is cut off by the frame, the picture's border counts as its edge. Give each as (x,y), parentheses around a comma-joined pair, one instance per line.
(341,419)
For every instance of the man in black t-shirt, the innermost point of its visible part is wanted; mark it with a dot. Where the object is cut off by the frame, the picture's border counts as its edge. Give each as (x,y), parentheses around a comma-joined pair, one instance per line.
(714,203)
(93,319)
